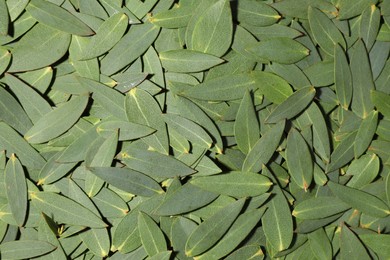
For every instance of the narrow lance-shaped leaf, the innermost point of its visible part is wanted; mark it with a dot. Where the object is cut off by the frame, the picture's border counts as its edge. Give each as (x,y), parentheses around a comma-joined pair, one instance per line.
(288,51)
(4,18)
(365,133)
(174,18)
(152,238)
(350,245)
(57,121)
(237,232)
(127,130)
(12,142)
(325,32)
(128,180)
(185,61)
(142,108)
(224,88)
(12,113)
(236,184)
(362,80)
(320,244)
(108,34)
(360,200)
(342,77)
(264,148)
(377,242)
(293,105)
(369,25)
(155,164)
(380,100)
(31,53)
(363,170)
(5,60)
(213,31)
(24,249)
(129,48)
(277,220)
(256,13)
(272,86)
(33,103)
(343,153)
(319,207)
(97,240)
(298,158)
(246,126)
(190,130)
(16,189)
(65,210)
(212,229)
(57,17)
(191,198)
(103,158)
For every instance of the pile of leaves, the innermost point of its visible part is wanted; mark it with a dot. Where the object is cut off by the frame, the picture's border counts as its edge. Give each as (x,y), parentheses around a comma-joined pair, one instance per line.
(194,128)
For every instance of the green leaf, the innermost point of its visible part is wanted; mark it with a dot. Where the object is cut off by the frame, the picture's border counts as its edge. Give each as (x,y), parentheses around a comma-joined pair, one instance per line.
(213,31)
(103,157)
(174,18)
(108,34)
(319,208)
(152,238)
(321,73)
(57,121)
(350,245)
(57,17)
(5,60)
(164,255)
(129,48)
(127,130)
(362,80)
(212,229)
(325,32)
(360,200)
(22,249)
(247,252)
(369,25)
(256,13)
(188,129)
(191,198)
(273,87)
(16,189)
(97,241)
(349,8)
(142,108)
(126,237)
(277,221)
(65,210)
(377,242)
(342,77)
(128,180)
(12,113)
(108,98)
(241,227)
(314,116)
(11,141)
(236,184)
(33,103)
(246,126)
(363,170)
(193,112)
(298,158)
(110,203)
(155,164)
(53,171)
(187,60)
(180,231)
(380,100)
(293,105)
(264,148)
(320,244)
(280,49)
(365,133)
(4,18)
(227,87)
(31,53)
(343,153)
(299,8)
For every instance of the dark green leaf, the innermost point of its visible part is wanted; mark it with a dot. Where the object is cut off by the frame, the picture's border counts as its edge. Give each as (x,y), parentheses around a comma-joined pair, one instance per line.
(22,249)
